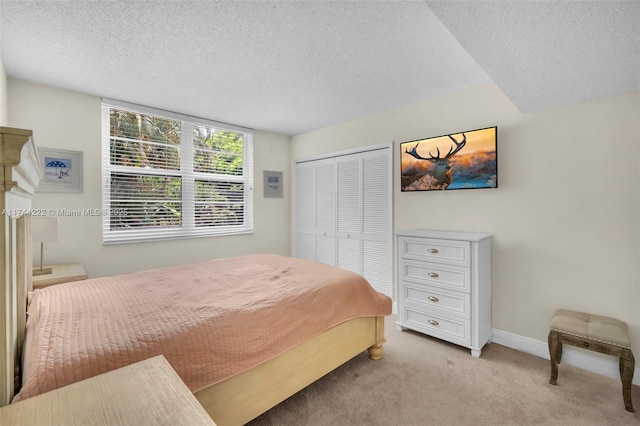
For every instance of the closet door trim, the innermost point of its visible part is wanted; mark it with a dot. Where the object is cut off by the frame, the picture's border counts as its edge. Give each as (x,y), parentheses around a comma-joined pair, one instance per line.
(388,145)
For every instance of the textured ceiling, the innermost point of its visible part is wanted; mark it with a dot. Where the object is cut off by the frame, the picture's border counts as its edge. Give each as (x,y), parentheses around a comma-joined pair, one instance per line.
(294,66)
(548,53)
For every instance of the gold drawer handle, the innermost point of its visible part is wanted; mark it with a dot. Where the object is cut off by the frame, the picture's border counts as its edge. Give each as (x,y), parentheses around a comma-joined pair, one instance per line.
(433,275)
(432,250)
(433,322)
(433,299)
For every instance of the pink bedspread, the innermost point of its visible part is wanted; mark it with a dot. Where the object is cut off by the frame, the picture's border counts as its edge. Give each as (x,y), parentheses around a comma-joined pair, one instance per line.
(210,320)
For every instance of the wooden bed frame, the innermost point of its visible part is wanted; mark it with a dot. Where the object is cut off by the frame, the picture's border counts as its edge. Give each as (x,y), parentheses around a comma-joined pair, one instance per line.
(241,398)
(234,401)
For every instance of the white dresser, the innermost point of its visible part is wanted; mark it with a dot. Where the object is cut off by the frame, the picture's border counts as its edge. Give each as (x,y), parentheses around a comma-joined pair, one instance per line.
(444,285)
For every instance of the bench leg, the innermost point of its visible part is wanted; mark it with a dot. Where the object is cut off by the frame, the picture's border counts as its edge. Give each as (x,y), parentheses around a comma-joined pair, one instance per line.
(555,353)
(627,365)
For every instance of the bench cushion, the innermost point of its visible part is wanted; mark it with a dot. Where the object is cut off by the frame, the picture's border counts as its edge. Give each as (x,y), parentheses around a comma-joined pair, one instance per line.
(594,327)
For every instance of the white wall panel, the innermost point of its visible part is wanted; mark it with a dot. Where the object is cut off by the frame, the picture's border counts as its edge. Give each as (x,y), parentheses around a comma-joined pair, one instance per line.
(51,113)
(565,235)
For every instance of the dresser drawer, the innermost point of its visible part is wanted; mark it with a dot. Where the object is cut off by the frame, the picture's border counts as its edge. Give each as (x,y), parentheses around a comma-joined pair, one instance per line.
(433,250)
(427,297)
(436,275)
(452,329)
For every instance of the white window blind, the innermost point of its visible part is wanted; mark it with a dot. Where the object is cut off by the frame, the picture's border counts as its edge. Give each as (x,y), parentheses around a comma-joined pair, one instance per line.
(167,175)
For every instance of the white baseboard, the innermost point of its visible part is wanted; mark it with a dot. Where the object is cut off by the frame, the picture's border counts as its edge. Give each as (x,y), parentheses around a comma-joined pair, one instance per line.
(580,358)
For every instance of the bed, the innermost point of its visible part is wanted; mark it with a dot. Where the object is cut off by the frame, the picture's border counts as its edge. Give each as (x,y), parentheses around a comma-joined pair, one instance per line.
(284,353)
(211,320)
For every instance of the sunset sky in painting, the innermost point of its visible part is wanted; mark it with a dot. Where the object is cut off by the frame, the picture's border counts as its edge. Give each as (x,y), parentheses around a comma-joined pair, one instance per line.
(477,140)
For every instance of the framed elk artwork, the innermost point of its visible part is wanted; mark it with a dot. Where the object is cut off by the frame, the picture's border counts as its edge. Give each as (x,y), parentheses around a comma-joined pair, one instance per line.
(464,160)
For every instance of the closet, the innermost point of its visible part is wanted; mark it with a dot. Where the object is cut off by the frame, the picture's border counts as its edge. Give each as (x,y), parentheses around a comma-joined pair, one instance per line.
(343,208)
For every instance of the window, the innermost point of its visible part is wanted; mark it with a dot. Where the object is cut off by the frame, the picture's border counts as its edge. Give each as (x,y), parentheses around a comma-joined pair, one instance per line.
(167,175)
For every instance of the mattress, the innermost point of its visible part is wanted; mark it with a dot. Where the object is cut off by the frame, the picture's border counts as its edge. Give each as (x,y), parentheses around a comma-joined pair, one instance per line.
(210,320)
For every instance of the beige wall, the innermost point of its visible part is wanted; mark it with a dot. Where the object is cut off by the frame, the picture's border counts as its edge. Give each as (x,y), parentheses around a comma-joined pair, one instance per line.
(4,114)
(565,217)
(68,120)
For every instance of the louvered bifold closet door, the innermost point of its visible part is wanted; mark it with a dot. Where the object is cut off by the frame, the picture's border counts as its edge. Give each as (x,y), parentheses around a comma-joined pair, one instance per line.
(349,226)
(305,212)
(377,206)
(326,211)
(343,210)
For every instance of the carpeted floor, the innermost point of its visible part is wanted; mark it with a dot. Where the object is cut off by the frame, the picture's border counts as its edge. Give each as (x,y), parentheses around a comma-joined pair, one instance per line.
(424,381)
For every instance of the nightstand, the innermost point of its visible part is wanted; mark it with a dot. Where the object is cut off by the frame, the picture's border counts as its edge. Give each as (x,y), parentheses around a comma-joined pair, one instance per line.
(147,393)
(62,273)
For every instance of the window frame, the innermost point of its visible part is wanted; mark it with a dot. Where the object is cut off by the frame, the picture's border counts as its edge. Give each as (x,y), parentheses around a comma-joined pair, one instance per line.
(188,228)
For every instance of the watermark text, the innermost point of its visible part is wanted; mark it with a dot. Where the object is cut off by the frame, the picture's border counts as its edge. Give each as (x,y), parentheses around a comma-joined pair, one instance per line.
(64,212)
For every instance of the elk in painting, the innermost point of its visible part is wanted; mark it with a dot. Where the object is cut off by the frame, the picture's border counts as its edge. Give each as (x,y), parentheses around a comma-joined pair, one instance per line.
(441,173)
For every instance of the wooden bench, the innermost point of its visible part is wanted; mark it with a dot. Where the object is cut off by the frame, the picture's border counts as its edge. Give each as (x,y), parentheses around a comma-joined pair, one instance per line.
(596,333)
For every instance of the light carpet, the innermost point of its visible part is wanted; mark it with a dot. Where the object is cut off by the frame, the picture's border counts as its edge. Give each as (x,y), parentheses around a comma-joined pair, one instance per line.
(425,381)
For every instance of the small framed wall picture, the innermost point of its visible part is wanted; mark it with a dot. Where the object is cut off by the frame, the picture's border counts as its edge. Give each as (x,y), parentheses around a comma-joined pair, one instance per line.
(62,170)
(272,184)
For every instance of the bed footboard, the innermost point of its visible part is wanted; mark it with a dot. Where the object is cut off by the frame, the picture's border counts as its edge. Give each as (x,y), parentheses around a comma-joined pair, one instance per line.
(241,398)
